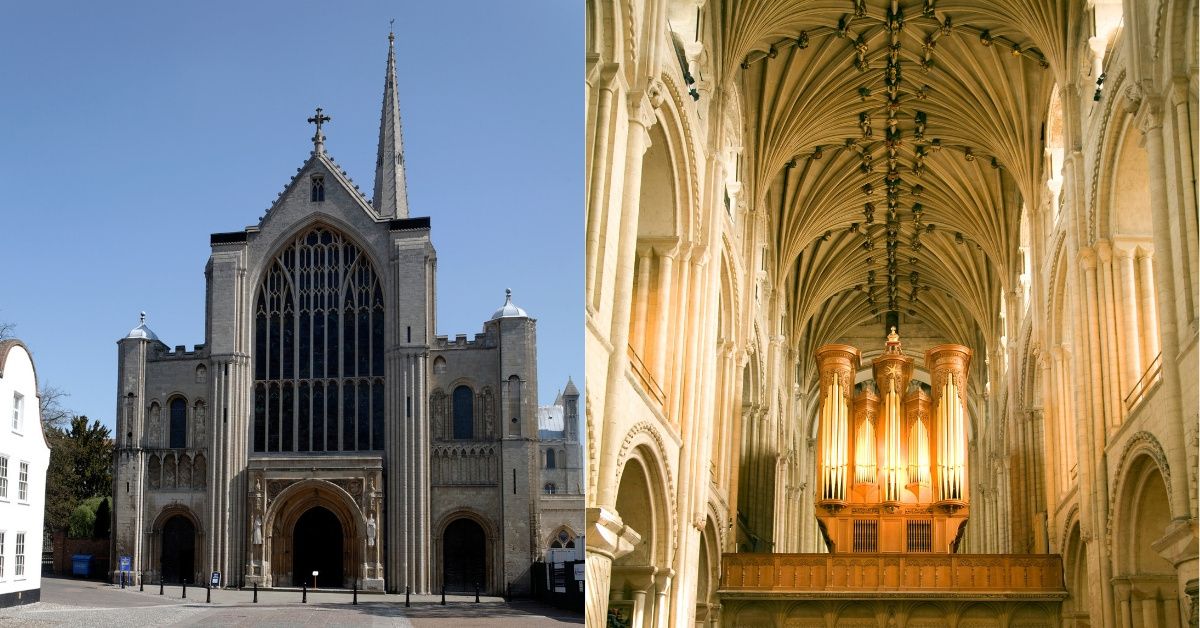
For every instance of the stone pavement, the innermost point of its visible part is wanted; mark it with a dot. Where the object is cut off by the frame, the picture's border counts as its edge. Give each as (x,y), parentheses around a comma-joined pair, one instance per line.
(85,603)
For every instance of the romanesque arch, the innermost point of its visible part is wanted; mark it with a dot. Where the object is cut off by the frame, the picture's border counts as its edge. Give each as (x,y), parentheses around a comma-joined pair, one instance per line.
(176,549)
(1146,584)
(643,494)
(465,546)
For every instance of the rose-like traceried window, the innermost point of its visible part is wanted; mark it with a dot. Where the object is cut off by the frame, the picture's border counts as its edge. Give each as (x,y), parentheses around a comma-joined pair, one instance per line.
(318,348)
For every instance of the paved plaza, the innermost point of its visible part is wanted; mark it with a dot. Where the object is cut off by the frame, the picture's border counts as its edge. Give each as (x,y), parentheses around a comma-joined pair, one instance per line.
(85,603)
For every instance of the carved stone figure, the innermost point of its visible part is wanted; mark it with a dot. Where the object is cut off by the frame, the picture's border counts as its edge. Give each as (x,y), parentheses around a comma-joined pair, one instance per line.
(371,530)
(200,428)
(155,434)
(258,538)
(489,412)
(437,413)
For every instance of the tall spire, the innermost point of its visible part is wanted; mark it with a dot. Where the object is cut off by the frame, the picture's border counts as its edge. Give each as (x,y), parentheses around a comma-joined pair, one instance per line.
(391,190)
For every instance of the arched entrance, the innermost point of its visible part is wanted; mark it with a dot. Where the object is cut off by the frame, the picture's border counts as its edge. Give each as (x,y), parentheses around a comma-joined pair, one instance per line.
(178,559)
(317,545)
(464,556)
(314,525)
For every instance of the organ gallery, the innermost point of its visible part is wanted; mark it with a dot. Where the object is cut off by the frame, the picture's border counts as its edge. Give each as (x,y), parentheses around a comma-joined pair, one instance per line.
(892,459)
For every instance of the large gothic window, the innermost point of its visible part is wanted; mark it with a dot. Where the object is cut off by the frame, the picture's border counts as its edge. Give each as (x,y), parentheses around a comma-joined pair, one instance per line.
(464,413)
(178,424)
(318,349)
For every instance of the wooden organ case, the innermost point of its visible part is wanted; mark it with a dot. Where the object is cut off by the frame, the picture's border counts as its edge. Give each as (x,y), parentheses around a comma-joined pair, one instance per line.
(892,457)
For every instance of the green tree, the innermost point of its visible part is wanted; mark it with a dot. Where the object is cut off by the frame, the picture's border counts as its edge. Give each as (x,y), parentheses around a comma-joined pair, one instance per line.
(80,468)
(81,523)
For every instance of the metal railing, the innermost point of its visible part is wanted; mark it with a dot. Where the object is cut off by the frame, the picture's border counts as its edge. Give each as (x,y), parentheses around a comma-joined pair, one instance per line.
(1151,377)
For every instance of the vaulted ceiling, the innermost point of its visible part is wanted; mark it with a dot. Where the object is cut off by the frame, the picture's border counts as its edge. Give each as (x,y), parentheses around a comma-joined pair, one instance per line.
(892,144)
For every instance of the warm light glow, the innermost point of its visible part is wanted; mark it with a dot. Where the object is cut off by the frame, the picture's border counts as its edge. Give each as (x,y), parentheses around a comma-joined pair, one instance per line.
(951,437)
(891,443)
(834,413)
(864,453)
(918,454)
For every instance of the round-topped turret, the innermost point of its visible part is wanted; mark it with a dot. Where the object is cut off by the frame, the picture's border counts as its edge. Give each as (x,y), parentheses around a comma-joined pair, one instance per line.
(508,310)
(142,332)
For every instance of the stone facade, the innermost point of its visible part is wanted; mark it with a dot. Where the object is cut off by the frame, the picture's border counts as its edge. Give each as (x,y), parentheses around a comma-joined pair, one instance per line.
(322,406)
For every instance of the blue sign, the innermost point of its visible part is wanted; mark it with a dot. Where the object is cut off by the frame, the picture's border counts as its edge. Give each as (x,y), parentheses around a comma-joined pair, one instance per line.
(215,579)
(126,564)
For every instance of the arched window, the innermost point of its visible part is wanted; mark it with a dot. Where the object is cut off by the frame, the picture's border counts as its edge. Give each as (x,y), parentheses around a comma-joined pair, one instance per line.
(549,488)
(464,413)
(178,423)
(318,348)
(550,459)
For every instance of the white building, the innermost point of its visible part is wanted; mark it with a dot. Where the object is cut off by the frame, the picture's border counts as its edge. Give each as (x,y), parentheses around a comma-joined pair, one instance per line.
(24,456)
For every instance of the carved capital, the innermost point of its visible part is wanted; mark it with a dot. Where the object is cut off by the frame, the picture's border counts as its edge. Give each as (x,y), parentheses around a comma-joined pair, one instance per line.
(1087,258)
(608,535)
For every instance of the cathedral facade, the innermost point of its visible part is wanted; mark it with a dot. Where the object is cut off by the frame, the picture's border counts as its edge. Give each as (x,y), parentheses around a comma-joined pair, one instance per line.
(774,184)
(323,426)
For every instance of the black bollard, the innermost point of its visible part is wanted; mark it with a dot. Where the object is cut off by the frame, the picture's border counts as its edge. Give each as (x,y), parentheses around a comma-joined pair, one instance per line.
(185,588)
(443,595)
(476,591)
(304,592)
(208,595)
(122,579)
(355,602)
(407,595)
(141,581)
(256,592)
(160,585)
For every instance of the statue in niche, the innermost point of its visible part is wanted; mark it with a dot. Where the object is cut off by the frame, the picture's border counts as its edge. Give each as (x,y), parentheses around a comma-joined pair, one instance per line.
(437,413)
(155,425)
(371,530)
(258,538)
(489,412)
(169,473)
(199,414)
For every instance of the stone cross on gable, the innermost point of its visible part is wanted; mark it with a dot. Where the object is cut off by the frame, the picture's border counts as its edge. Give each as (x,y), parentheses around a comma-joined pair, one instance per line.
(318,138)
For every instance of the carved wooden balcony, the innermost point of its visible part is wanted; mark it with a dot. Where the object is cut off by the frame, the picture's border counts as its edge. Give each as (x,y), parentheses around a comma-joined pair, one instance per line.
(855,575)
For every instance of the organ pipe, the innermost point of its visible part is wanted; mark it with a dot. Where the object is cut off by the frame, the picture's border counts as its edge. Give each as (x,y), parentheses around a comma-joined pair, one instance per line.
(864,453)
(918,453)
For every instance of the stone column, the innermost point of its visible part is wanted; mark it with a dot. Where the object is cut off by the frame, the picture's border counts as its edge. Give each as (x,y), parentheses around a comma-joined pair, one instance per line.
(674,394)
(662,317)
(662,598)
(641,118)
(1149,306)
(1169,392)
(637,332)
(607,540)
(1131,327)
(599,174)
(1110,347)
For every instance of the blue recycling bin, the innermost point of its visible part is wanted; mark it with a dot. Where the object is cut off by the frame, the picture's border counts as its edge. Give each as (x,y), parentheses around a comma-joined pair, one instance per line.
(81,565)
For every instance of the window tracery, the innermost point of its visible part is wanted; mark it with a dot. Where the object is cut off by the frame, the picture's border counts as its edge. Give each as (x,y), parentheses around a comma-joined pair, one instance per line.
(318,349)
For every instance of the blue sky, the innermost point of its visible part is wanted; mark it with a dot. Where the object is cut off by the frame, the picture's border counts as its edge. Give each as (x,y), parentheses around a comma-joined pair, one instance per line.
(129,132)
